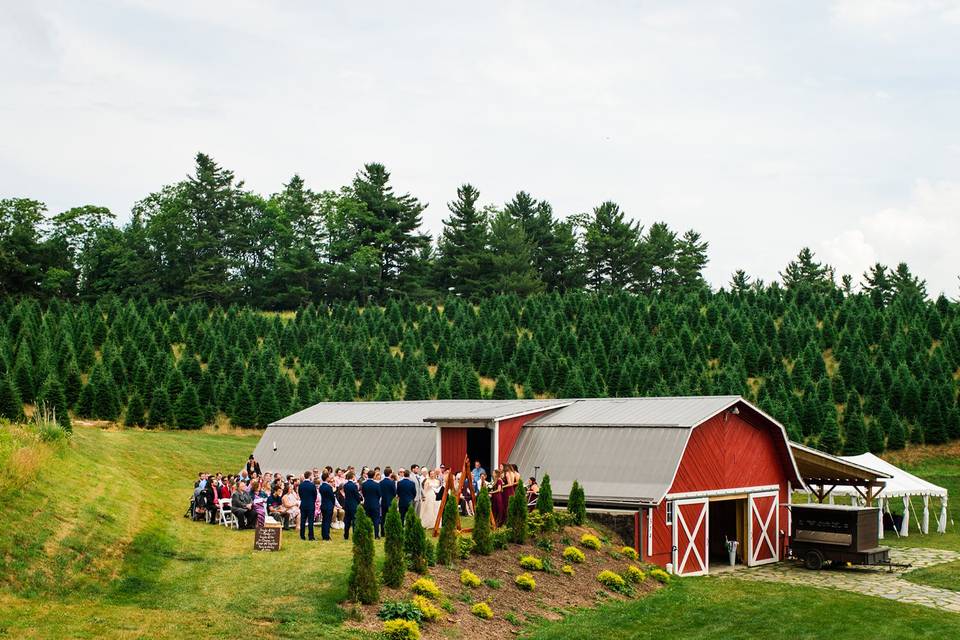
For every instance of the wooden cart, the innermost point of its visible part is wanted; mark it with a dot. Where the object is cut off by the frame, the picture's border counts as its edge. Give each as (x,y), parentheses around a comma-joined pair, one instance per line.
(840,534)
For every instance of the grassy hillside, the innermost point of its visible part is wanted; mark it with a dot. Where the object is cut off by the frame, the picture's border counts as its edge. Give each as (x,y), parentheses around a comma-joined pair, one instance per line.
(96,546)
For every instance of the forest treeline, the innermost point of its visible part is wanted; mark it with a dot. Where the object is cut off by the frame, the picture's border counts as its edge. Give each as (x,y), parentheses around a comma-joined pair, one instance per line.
(207,238)
(846,372)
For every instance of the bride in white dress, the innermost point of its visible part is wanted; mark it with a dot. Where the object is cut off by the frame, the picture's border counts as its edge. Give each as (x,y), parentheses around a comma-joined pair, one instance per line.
(429,506)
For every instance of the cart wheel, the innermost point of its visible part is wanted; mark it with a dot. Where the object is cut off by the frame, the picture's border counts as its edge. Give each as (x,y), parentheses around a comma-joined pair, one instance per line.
(813,560)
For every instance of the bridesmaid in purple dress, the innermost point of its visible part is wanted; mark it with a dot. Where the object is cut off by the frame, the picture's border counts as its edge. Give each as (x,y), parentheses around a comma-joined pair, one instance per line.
(496,498)
(511,479)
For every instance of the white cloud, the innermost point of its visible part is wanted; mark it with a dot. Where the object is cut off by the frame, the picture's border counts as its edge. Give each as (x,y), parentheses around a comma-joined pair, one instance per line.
(875,13)
(924,232)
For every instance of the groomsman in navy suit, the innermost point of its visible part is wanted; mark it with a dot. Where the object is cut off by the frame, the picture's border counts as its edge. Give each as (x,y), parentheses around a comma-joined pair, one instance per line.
(308,504)
(388,491)
(328,498)
(351,500)
(371,501)
(406,493)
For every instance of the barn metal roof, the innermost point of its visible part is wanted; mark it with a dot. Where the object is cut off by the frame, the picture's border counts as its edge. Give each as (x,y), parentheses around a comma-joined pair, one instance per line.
(617,464)
(298,449)
(413,412)
(681,411)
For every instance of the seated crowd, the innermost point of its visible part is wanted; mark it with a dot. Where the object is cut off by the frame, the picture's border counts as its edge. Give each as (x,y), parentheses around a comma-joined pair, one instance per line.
(331,496)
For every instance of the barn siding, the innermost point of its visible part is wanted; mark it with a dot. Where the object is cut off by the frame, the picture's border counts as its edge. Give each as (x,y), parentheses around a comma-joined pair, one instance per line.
(510,431)
(725,452)
(453,446)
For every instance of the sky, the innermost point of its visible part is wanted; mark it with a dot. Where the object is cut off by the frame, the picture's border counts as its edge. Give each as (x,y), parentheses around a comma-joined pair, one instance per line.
(766,126)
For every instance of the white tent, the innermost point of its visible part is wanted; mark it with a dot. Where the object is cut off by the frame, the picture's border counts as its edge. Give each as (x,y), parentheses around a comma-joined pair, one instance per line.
(901,485)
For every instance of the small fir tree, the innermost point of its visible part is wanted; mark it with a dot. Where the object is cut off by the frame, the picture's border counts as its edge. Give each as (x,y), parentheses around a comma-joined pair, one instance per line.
(447,543)
(53,399)
(517,517)
(362,584)
(161,413)
(415,542)
(244,412)
(830,434)
(875,442)
(10,406)
(855,432)
(897,439)
(545,497)
(187,412)
(577,503)
(394,564)
(482,534)
(135,411)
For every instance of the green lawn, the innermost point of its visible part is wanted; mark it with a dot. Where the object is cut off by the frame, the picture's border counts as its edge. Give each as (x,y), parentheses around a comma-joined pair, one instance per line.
(94,545)
(97,547)
(727,608)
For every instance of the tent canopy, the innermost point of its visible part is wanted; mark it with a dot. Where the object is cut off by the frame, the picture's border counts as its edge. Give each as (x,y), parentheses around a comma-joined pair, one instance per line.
(900,483)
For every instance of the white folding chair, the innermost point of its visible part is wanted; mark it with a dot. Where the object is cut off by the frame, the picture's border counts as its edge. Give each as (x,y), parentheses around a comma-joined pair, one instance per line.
(227,519)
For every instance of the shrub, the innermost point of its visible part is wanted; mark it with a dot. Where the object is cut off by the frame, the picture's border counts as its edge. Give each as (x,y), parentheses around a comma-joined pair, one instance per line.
(531,563)
(399,610)
(517,517)
(401,630)
(545,496)
(538,522)
(634,574)
(629,552)
(574,555)
(426,587)
(590,541)
(577,504)
(430,549)
(611,580)
(500,539)
(465,546)
(545,544)
(395,564)
(660,575)
(482,610)
(493,583)
(447,543)
(563,518)
(482,532)
(363,585)
(525,581)
(429,612)
(469,579)
(567,569)
(415,542)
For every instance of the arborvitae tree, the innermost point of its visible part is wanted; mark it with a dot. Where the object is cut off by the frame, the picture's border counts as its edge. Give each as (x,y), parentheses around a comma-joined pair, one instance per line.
(517,517)
(577,503)
(854,430)
(10,406)
(161,411)
(135,416)
(545,497)
(447,543)
(415,542)
(187,411)
(897,439)
(830,434)
(244,411)
(481,523)
(362,584)
(394,563)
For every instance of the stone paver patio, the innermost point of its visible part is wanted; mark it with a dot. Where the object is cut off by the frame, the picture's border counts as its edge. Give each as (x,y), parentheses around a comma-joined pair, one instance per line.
(871,581)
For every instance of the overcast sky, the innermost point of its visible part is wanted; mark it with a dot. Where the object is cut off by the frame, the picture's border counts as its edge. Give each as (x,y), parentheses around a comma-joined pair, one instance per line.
(764,125)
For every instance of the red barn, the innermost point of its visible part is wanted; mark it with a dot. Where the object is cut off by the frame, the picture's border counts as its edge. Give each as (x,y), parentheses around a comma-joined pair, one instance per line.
(690,472)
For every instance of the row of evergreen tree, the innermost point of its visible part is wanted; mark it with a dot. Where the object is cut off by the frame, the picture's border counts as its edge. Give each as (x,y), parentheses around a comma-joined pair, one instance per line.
(208,238)
(847,372)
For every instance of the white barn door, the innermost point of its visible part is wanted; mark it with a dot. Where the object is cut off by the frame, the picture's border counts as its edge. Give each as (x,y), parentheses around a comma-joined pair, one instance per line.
(691,543)
(763,527)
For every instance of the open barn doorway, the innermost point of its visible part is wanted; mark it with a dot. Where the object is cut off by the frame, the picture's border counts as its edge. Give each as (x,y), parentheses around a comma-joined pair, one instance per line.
(728,517)
(480,447)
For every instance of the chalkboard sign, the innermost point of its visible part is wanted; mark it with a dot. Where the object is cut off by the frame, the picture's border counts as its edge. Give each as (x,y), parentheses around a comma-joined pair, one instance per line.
(267,538)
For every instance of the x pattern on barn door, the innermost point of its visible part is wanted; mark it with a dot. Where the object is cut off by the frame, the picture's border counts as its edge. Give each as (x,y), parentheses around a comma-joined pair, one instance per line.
(690,536)
(763,531)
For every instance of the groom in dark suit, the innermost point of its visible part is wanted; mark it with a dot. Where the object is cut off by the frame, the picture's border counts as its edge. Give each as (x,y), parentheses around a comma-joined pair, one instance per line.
(308,504)
(406,493)
(371,501)
(327,499)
